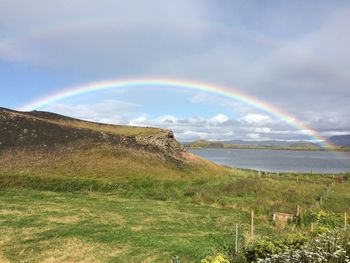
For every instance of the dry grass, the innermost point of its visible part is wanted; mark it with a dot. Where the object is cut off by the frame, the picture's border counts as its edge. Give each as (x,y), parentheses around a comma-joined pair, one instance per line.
(64,220)
(105,162)
(113,129)
(107,128)
(74,250)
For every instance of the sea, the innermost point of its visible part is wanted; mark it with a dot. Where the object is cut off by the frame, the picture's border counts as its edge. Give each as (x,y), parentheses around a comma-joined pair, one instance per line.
(279,160)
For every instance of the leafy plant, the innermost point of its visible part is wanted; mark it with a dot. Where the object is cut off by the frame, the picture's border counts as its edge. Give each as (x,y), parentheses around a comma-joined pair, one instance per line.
(331,247)
(267,246)
(218,258)
(324,219)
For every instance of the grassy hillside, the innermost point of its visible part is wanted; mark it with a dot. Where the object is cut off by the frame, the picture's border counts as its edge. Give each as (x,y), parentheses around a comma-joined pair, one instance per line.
(37,116)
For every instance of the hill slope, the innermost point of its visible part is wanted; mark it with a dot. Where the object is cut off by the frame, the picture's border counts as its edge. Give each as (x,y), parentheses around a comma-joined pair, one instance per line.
(47,145)
(44,129)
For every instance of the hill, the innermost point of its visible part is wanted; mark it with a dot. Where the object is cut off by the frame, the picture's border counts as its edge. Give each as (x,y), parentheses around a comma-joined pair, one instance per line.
(43,129)
(42,140)
(340,140)
(260,143)
(200,144)
(237,144)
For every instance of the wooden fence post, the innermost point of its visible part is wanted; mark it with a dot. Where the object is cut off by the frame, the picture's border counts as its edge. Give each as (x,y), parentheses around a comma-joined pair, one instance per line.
(345,220)
(252,222)
(236,240)
(298,210)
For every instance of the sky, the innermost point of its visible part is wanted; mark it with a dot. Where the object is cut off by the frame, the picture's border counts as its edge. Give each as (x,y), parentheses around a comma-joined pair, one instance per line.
(293,55)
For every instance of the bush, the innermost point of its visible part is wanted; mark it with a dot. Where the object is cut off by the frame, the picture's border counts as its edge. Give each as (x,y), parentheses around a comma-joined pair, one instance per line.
(332,247)
(218,258)
(324,219)
(265,247)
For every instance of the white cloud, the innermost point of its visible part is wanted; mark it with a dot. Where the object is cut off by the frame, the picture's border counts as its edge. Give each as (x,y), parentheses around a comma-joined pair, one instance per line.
(254,136)
(108,111)
(336,133)
(218,119)
(263,130)
(139,121)
(256,118)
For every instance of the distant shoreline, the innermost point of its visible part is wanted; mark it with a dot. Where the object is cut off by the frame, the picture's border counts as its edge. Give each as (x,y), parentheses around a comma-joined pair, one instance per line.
(265,147)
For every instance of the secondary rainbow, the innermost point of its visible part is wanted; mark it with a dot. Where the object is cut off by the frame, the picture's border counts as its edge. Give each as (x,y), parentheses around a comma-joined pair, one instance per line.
(179,84)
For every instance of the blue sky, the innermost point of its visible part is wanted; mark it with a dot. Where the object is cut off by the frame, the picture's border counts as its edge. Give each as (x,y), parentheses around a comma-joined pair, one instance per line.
(291,54)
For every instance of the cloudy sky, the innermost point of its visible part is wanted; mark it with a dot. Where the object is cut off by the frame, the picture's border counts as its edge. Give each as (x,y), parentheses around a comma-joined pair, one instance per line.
(293,55)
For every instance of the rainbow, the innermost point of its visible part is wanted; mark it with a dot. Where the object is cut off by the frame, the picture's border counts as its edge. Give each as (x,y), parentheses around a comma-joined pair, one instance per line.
(182,84)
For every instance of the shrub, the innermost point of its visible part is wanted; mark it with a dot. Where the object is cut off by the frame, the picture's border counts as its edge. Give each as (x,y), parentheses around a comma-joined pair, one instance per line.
(265,247)
(324,219)
(218,258)
(332,247)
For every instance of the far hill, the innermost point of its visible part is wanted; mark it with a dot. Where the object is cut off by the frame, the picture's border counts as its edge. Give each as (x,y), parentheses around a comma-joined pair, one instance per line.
(48,145)
(200,144)
(340,140)
(262,143)
(238,144)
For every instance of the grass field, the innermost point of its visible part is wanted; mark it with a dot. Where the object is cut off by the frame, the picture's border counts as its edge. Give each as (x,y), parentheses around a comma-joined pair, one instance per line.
(97,202)
(147,219)
(38,226)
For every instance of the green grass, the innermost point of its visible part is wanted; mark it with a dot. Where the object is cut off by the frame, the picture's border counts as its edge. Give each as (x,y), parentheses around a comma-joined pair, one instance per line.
(149,219)
(105,204)
(103,162)
(35,226)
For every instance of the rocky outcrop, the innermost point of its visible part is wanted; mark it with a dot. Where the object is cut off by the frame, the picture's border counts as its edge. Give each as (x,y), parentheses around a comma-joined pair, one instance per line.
(164,142)
(48,130)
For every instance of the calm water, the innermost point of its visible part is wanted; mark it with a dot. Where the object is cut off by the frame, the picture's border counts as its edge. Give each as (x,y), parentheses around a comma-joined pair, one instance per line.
(279,160)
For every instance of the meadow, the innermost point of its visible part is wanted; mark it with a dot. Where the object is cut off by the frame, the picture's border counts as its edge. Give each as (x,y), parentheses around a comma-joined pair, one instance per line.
(71,209)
